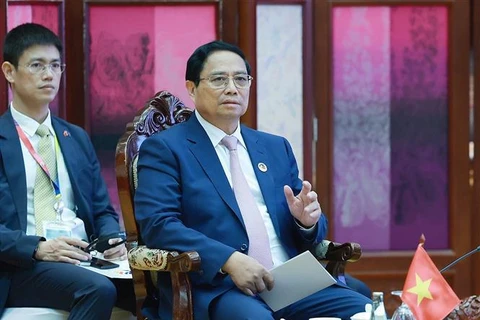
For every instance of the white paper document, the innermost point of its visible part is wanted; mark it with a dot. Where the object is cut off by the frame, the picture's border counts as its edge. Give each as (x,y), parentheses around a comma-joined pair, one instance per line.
(296,279)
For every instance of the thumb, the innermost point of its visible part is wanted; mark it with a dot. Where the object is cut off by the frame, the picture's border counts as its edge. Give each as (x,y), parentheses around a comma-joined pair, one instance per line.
(114,240)
(289,194)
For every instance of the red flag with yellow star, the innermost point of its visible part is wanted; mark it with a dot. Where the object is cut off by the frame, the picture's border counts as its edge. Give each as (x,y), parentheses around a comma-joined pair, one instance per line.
(426,292)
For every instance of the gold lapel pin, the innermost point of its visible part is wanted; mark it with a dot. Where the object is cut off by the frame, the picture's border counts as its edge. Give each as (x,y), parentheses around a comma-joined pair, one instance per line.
(262,167)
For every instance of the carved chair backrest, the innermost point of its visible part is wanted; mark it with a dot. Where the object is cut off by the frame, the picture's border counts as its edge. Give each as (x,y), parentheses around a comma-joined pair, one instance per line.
(159,113)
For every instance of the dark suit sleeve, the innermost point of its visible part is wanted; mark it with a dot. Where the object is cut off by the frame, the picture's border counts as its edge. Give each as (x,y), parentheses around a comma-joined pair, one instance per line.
(158,209)
(16,248)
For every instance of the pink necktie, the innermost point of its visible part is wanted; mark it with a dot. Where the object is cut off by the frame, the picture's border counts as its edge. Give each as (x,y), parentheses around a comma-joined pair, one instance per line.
(257,233)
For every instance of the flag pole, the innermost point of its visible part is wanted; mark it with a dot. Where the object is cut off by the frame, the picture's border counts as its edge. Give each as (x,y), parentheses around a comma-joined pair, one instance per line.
(468,254)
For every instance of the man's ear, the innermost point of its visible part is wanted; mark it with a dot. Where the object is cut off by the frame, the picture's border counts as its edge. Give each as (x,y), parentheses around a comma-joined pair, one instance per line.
(8,71)
(191,89)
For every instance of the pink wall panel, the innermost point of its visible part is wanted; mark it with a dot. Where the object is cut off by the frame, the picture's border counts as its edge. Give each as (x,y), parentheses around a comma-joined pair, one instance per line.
(419,127)
(133,52)
(193,26)
(120,57)
(18,14)
(361,92)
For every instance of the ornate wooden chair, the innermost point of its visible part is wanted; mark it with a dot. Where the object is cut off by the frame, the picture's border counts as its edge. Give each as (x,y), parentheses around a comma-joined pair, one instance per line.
(161,112)
(468,309)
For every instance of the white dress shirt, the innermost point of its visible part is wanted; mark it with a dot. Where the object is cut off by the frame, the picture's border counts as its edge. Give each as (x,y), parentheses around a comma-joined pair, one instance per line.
(30,126)
(279,255)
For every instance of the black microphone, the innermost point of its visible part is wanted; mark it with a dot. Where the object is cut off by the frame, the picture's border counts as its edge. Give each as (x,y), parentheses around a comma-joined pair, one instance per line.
(451,264)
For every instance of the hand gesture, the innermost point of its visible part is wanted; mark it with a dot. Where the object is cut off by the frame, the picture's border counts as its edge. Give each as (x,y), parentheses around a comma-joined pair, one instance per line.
(118,253)
(304,206)
(62,249)
(248,275)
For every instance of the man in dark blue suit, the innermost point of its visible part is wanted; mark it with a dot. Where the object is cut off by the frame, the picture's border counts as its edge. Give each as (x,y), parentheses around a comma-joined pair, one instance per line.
(185,200)
(34,271)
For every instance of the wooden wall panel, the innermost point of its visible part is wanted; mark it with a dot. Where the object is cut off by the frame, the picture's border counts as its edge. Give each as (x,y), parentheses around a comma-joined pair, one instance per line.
(3,32)
(75,59)
(476,139)
(247,42)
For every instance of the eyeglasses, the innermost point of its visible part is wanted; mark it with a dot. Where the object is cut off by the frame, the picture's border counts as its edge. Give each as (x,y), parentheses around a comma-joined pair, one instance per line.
(37,67)
(241,81)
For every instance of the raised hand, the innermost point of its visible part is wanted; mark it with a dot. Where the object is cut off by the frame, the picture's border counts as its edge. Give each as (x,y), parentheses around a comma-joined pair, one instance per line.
(304,206)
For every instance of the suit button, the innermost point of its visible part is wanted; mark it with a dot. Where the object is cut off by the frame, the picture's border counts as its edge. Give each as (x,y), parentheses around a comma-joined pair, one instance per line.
(243,247)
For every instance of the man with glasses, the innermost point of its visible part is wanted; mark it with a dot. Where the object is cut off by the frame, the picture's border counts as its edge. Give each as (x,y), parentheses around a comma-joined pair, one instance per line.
(48,172)
(232,194)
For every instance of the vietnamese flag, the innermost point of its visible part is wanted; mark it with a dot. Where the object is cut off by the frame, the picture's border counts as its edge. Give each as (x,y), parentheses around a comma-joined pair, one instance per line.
(426,292)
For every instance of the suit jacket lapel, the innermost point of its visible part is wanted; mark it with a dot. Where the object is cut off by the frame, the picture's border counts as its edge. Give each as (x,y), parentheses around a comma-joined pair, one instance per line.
(12,156)
(258,155)
(69,148)
(204,152)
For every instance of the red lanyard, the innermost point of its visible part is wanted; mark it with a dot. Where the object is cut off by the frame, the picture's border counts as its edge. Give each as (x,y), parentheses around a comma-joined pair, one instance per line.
(38,158)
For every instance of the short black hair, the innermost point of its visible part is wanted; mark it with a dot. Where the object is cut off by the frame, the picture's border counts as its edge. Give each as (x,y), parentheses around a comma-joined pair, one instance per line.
(23,37)
(197,60)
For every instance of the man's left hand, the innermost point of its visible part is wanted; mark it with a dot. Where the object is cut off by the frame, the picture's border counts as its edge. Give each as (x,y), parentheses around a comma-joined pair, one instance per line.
(118,253)
(304,206)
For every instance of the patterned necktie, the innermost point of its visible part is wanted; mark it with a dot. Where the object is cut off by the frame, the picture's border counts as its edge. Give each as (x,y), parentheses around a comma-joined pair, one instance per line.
(257,233)
(43,192)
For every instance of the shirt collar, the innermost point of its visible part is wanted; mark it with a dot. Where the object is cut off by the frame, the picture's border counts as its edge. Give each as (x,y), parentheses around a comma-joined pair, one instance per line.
(215,134)
(29,125)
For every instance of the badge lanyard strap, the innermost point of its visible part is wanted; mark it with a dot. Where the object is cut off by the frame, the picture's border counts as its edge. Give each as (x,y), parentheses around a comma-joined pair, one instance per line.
(39,160)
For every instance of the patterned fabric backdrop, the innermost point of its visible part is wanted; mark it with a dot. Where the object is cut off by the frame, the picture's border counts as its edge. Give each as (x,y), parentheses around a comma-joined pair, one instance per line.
(390,126)
(280,74)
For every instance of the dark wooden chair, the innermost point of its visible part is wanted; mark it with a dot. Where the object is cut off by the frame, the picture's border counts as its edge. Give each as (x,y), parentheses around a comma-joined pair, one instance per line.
(161,112)
(468,309)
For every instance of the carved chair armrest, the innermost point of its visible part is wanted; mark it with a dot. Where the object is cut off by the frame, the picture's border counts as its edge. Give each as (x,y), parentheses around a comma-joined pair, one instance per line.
(337,255)
(334,251)
(178,264)
(143,258)
(468,309)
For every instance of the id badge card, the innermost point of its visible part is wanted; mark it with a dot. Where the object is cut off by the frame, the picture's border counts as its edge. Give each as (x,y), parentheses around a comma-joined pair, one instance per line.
(55,229)
(69,226)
